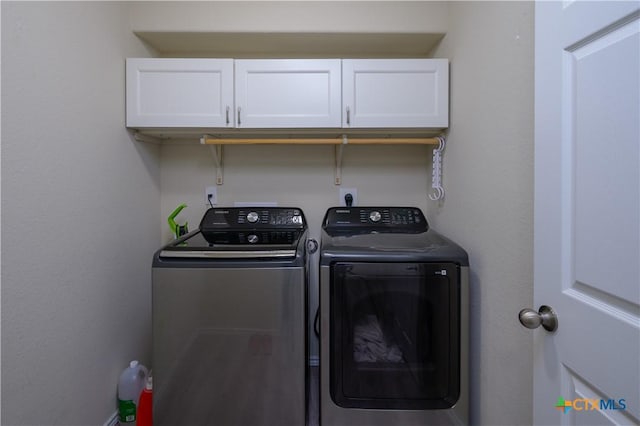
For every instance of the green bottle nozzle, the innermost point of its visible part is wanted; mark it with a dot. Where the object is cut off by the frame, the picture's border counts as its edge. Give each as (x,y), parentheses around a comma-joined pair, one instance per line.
(178,230)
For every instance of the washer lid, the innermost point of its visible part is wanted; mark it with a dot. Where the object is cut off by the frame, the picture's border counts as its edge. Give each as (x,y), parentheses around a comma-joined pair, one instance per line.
(194,251)
(427,246)
(195,245)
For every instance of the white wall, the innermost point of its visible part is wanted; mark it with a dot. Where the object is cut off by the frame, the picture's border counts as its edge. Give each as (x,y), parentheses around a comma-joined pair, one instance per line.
(80,208)
(488,175)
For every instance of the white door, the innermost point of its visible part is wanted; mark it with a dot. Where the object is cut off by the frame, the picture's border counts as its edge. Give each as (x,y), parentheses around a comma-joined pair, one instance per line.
(177,92)
(587,212)
(287,93)
(395,93)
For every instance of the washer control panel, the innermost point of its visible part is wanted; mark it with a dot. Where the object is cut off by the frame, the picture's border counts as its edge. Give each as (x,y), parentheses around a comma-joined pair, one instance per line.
(390,219)
(248,218)
(253,226)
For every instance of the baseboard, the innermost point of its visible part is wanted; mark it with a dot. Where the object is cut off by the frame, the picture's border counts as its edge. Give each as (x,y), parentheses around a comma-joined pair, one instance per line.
(113,420)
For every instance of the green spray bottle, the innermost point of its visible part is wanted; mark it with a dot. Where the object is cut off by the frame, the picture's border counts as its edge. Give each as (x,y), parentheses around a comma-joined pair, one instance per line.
(178,230)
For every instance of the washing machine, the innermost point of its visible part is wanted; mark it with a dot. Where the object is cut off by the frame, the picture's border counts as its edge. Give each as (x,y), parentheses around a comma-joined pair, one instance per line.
(229,306)
(393,320)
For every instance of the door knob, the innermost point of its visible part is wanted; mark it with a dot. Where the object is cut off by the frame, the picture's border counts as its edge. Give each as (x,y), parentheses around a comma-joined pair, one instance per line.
(545,317)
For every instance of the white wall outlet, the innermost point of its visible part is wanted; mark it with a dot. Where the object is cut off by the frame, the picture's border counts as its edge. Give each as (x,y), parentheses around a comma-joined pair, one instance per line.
(211,196)
(345,191)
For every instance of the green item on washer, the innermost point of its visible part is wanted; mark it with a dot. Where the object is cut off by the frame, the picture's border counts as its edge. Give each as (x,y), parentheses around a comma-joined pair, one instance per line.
(178,230)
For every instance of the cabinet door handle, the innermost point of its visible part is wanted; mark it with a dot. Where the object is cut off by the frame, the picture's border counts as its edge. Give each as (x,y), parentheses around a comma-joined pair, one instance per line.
(239,121)
(228,115)
(348,116)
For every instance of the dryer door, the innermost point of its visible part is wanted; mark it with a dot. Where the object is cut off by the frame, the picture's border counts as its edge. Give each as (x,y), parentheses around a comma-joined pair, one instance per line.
(395,335)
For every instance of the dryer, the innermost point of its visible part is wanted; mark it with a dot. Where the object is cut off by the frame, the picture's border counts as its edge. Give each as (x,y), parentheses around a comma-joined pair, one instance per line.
(393,320)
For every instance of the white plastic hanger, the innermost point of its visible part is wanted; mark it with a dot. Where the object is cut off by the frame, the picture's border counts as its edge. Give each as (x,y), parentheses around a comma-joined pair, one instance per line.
(436,174)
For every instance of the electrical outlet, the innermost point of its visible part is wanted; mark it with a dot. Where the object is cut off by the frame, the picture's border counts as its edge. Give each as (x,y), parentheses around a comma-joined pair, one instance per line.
(211,196)
(345,191)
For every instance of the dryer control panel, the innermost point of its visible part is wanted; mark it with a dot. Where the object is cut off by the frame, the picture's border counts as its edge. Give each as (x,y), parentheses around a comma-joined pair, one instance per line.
(380,219)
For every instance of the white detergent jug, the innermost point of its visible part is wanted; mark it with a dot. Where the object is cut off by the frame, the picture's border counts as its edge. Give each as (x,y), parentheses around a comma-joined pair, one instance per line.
(130,386)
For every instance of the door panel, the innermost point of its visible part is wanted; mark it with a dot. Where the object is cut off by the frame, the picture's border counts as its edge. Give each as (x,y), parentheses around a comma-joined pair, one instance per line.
(172,92)
(587,212)
(605,156)
(395,92)
(284,93)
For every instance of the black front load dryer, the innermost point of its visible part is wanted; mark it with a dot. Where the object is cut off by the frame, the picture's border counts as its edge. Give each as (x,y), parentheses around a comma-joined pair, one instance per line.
(394,320)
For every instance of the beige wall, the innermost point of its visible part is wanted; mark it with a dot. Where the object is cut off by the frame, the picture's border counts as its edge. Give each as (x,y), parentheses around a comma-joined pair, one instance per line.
(291,16)
(488,174)
(80,207)
(74,182)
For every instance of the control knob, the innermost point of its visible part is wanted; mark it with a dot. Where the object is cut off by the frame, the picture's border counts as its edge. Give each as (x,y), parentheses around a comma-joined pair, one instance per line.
(252,217)
(375,216)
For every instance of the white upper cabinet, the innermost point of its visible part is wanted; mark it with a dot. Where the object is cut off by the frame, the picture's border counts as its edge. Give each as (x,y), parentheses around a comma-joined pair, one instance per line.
(163,92)
(395,93)
(287,93)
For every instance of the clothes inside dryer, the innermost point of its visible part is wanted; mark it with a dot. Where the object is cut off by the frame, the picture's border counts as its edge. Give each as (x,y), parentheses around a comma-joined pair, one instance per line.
(394,330)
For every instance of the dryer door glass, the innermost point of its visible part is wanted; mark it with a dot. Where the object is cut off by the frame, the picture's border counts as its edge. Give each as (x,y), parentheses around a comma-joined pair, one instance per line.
(395,335)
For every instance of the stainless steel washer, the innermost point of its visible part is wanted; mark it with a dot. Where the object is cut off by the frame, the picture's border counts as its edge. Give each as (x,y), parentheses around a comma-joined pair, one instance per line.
(393,320)
(229,321)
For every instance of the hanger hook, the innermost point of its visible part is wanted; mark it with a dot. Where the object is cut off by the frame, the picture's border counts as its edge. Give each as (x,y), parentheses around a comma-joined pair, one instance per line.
(438,194)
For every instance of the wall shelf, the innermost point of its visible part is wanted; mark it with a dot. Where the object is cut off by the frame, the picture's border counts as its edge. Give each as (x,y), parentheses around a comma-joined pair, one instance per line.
(208,140)
(193,135)
(323,137)
(216,145)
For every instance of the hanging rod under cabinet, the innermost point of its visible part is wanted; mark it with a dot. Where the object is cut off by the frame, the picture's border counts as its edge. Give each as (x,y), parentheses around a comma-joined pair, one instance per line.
(206,140)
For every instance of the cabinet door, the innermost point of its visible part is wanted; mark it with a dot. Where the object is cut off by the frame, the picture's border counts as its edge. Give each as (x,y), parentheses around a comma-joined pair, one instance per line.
(298,93)
(395,92)
(163,92)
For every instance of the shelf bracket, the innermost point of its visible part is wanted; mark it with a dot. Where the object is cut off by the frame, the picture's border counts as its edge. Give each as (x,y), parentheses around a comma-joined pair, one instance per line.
(338,153)
(216,152)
